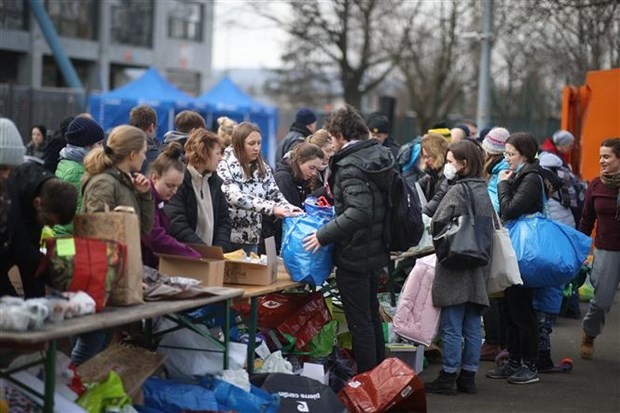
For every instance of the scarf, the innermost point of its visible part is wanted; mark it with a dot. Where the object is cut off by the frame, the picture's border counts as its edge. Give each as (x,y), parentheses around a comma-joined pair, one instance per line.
(73,153)
(611,180)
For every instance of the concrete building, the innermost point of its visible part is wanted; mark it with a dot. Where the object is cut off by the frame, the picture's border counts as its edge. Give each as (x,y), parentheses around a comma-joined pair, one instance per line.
(103,38)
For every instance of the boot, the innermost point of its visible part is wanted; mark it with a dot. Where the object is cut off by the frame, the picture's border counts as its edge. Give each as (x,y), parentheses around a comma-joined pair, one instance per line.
(466,382)
(444,384)
(586,349)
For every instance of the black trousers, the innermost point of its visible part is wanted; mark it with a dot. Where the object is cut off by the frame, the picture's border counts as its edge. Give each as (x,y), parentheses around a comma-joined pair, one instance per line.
(358,292)
(522,323)
(494,323)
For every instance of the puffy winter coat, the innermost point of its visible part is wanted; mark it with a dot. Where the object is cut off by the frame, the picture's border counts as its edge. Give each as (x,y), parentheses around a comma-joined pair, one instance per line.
(183,212)
(70,171)
(521,194)
(113,188)
(248,198)
(463,285)
(502,165)
(360,180)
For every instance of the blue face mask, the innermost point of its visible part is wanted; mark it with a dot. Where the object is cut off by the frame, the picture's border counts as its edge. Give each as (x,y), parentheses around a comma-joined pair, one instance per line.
(519,168)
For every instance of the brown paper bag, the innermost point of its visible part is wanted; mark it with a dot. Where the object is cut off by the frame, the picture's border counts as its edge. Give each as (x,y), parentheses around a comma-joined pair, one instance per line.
(122,227)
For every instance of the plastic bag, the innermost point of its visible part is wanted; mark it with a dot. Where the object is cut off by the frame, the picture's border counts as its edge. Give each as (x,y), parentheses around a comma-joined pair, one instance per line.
(391,386)
(174,397)
(323,343)
(549,253)
(304,266)
(108,393)
(231,397)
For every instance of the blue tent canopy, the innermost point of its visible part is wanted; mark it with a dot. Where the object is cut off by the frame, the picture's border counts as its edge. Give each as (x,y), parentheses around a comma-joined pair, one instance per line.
(227,99)
(112,109)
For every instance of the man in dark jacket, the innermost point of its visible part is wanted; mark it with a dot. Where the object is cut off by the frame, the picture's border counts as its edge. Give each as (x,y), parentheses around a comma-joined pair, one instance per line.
(361,176)
(380,129)
(144,117)
(304,126)
(40,199)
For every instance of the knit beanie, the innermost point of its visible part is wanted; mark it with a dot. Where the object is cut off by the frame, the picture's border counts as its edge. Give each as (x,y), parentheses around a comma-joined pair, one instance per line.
(495,141)
(305,116)
(84,132)
(12,149)
(563,138)
(379,124)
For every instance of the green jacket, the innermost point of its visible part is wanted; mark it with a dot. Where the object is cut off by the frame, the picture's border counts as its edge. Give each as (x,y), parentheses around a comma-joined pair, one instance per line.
(70,171)
(114,188)
(360,180)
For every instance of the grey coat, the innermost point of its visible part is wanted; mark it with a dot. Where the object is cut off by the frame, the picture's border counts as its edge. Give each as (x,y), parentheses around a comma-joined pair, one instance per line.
(466,285)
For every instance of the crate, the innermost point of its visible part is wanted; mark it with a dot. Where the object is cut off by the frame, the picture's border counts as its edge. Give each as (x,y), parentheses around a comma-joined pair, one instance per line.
(409,353)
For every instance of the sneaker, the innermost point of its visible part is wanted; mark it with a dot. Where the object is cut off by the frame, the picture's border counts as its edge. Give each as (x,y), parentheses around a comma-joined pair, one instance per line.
(586,349)
(503,372)
(525,375)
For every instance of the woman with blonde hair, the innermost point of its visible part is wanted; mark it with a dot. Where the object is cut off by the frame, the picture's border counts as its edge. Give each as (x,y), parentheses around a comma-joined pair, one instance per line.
(112,179)
(250,188)
(435,183)
(225,129)
(323,140)
(199,211)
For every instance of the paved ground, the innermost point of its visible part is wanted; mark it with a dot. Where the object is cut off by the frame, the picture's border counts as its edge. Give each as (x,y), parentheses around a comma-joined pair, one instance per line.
(593,386)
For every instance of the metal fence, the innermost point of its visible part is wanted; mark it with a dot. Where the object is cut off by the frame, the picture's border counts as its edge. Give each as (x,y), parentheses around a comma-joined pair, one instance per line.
(27,106)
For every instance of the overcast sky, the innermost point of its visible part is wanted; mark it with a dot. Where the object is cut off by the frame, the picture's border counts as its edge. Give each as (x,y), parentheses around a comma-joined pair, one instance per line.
(242,39)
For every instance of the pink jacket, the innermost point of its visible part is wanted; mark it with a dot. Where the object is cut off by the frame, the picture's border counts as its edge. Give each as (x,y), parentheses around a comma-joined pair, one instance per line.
(416,318)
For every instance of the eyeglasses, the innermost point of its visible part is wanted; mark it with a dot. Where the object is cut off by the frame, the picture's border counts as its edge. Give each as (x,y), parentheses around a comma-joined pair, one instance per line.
(509,154)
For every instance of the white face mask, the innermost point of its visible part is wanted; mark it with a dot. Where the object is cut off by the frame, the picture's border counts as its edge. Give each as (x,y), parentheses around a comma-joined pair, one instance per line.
(449,171)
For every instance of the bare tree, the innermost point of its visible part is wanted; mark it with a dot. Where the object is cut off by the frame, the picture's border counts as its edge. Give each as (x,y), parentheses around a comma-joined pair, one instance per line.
(435,63)
(356,39)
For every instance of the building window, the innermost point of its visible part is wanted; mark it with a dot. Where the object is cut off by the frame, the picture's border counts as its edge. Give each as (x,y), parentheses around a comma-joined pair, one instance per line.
(132,22)
(13,15)
(74,18)
(185,21)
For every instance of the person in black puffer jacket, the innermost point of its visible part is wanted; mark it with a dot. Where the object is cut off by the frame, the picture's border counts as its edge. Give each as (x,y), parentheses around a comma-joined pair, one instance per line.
(361,175)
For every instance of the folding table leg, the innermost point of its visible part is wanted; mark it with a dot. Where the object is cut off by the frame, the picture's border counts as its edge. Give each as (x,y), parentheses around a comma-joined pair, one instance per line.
(252,333)
(50,378)
(226,333)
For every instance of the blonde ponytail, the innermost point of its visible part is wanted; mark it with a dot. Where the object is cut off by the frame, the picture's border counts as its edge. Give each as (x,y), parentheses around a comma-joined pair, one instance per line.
(123,140)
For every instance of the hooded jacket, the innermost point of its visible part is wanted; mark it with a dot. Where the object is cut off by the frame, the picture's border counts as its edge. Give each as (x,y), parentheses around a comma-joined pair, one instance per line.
(294,191)
(113,188)
(522,193)
(24,235)
(502,165)
(295,136)
(248,198)
(183,212)
(360,181)
(71,169)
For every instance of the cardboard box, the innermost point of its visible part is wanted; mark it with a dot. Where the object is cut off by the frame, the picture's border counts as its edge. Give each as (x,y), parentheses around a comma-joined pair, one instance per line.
(409,353)
(209,269)
(134,365)
(254,274)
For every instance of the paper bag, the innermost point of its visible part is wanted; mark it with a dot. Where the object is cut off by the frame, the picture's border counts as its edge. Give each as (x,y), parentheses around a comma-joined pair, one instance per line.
(123,227)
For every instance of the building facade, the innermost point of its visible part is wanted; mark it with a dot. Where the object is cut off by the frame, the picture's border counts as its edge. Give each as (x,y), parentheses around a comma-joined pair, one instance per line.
(104,38)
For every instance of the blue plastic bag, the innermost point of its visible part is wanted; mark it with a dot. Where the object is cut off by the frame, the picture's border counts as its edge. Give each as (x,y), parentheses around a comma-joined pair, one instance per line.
(231,397)
(549,253)
(173,397)
(304,266)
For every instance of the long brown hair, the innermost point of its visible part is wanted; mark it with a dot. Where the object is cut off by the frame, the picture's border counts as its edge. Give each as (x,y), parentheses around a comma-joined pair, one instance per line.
(123,140)
(302,153)
(468,151)
(239,135)
(489,163)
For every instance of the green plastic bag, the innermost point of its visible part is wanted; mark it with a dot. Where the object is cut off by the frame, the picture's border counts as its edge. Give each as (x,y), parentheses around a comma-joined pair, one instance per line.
(106,394)
(323,343)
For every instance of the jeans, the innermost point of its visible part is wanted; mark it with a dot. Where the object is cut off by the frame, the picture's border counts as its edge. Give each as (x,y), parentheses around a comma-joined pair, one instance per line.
(88,345)
(461,337)
(605,278)
(522,323)
(248,248)
(358,292)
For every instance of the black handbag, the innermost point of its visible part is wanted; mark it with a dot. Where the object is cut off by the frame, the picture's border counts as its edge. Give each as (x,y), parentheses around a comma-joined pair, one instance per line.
(466,240)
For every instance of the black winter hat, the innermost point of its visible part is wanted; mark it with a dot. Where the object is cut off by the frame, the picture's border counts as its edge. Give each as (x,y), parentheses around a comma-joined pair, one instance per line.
(84,132)
(305,116)
(379,124)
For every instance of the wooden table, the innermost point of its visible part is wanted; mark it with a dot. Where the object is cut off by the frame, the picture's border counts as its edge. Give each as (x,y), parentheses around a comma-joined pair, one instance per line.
(252,292)
(110,317)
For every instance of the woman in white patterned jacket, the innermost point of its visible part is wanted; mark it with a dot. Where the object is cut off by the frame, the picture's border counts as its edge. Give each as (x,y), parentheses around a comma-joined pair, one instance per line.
(250,188)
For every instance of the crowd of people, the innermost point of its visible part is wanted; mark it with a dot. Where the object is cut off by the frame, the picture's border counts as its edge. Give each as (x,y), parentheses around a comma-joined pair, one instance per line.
(215,188)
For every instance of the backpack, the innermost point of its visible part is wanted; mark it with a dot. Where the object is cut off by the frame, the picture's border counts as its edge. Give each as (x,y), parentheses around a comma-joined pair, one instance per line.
(572,193)
(404,226)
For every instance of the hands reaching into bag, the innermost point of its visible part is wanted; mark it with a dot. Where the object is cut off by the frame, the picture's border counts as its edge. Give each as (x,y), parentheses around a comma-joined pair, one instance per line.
(311,243)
